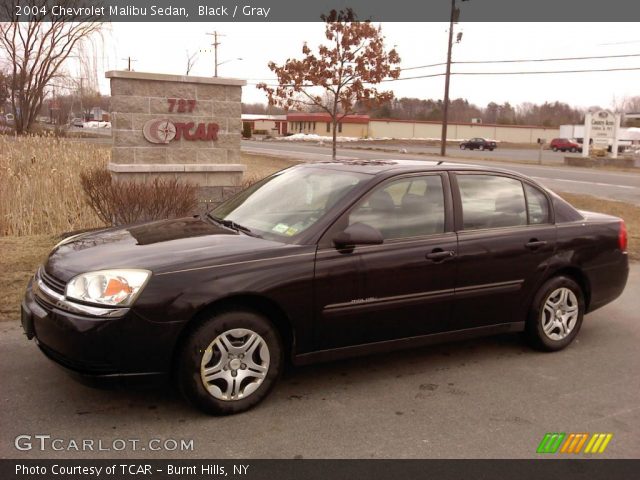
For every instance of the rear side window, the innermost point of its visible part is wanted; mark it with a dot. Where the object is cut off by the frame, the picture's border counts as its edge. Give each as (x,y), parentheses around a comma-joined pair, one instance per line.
(490,201)
(537,205)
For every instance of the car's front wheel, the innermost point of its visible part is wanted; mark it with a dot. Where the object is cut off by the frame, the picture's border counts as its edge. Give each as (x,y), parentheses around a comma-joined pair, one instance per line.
(556,314)
(229,362)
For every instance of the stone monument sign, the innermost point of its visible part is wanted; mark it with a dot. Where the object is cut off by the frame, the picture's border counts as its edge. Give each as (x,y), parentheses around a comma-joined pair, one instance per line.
(174,126)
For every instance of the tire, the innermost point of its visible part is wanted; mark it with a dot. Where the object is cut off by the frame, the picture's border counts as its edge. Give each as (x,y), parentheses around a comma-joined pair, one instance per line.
(482,148)
(573,150)
(462,147)
(555,149)
(541,332)
(222,344)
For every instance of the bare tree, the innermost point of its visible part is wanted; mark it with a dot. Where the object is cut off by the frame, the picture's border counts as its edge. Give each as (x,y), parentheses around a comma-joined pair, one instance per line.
(345,70)
(4,88)
(36,51)
(632,104)
(192,58)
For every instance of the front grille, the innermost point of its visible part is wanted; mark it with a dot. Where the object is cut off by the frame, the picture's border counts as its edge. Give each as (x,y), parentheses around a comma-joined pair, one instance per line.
(52,282)
(48,307)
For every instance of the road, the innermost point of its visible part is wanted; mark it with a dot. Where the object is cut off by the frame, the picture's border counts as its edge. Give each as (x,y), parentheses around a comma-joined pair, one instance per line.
(511,154)
(623,186)
(486,398)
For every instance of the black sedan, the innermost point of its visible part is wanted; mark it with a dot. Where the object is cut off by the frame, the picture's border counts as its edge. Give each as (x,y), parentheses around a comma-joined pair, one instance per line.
(319,262)
(478,143)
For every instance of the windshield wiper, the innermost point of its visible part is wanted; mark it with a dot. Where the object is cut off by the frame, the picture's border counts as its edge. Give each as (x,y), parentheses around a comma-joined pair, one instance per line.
(233,225)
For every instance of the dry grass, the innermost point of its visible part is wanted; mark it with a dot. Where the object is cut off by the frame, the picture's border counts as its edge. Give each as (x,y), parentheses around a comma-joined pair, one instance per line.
(259,166)
(630,213)
(40,184)
(40,191)
(20,257)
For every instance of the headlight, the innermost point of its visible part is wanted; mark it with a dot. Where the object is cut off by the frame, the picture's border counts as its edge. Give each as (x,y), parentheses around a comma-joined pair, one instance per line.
(108,287)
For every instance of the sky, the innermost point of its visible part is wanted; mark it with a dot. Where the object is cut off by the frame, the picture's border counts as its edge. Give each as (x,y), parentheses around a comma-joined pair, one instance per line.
(161,48)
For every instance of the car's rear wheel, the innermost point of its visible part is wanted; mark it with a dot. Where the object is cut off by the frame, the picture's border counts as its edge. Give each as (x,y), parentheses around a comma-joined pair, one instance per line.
(462,147)
(556,314)
(573,150)
(230,362)
(555,149)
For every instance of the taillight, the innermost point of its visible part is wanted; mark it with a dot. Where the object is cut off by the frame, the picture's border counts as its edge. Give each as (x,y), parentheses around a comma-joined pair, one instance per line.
(622,236)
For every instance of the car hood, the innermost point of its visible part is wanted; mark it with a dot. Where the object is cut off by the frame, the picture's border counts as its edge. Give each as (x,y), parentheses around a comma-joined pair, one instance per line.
(161,246)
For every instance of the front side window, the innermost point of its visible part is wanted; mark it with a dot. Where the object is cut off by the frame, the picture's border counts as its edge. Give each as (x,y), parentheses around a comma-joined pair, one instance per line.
(406,207)
(289,202)
(490,201)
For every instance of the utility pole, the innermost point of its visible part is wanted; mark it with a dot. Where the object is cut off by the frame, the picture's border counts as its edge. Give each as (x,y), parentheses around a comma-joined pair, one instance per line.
(215,44)
(129,60)
(445,111)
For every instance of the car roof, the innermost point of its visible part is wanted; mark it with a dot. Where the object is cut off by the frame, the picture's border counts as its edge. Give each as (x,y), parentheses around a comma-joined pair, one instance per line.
(375,167)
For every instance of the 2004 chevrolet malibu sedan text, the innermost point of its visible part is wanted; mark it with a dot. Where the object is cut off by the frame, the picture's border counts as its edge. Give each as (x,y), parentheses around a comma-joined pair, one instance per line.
(323,261)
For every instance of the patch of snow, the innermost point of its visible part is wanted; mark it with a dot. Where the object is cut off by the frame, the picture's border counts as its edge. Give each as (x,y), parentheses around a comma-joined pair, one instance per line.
(96,124)
(311,137)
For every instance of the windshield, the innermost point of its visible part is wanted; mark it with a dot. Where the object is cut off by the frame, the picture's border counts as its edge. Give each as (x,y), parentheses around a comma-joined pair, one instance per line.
(288,202)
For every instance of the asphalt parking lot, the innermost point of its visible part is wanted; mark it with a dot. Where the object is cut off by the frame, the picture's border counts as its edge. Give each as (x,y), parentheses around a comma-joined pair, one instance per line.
(486,398)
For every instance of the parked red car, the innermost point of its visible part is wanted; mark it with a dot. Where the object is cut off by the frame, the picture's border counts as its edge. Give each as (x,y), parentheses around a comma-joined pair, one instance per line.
(564,144)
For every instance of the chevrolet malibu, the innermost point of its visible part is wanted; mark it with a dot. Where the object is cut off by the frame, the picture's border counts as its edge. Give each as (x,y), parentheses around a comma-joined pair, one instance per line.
(319,262)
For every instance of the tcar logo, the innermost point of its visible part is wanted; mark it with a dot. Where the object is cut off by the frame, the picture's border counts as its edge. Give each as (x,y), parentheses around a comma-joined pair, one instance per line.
(164,131)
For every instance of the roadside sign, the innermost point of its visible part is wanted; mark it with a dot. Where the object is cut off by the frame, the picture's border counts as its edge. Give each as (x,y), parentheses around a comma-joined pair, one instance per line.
(602,126)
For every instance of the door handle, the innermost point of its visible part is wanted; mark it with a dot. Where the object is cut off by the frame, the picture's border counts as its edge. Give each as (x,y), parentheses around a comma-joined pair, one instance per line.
(534,244)
(438,255)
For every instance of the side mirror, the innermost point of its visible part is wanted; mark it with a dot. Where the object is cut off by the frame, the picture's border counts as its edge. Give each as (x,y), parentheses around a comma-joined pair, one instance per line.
(358,234)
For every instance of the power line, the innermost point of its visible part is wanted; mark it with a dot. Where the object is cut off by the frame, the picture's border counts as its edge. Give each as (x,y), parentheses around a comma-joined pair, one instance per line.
(554,59)
(539,72)
(619,43)
(526,60)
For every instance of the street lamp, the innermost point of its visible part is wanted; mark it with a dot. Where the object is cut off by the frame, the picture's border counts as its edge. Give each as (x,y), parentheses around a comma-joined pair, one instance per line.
(227,61)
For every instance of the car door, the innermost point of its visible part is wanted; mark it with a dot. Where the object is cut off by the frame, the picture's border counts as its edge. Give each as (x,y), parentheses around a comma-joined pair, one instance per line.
(506,236)
(401,288)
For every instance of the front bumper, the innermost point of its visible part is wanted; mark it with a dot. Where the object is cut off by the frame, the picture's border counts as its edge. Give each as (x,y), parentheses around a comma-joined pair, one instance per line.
(95,341)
